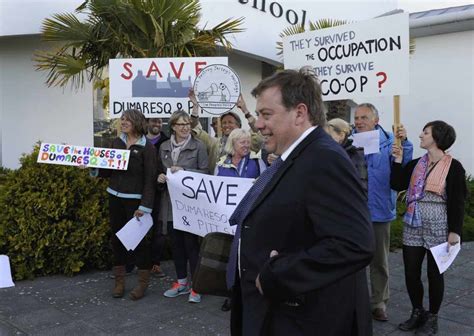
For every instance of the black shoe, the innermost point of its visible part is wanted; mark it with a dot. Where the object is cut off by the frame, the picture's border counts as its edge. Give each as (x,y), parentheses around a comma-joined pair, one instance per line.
(380,314)
(226,305)
(416,320)
(430,327)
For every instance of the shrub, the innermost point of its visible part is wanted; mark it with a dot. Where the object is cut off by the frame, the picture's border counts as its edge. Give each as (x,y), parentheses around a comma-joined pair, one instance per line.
(54,219)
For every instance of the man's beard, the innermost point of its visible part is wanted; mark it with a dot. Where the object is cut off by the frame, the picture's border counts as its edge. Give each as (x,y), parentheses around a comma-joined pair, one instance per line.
(155,130)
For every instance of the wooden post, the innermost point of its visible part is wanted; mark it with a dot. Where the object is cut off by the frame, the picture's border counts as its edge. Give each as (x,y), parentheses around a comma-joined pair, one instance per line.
(219,128)
(396,118)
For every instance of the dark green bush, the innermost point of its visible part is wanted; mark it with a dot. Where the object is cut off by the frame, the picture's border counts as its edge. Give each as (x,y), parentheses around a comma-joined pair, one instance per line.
(468,227)
(54,219)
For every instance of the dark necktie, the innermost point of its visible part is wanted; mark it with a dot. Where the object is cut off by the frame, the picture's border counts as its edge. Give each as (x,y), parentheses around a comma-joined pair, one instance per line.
(241,212)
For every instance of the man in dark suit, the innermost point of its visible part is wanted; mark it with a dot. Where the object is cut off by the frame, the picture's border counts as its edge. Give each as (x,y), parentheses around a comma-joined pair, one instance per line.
(304,233)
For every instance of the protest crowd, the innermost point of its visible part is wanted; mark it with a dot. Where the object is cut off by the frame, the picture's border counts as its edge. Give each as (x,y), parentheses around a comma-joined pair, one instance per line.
(285,212)
(317,212)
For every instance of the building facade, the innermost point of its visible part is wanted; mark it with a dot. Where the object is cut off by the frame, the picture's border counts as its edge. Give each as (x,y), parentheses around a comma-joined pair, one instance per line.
(441,69)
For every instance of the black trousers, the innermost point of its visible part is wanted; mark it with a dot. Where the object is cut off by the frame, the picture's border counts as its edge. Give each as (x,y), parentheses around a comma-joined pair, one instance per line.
(413,257)
(185,247)
(157,238)
(121,210)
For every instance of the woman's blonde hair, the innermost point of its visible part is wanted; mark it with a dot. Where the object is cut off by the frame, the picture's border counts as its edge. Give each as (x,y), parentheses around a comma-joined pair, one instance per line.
(235,135)
(340,126)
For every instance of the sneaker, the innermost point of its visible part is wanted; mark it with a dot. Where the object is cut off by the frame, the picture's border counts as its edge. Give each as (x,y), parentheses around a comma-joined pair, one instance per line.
(194,297)
(157,272)
(177,290)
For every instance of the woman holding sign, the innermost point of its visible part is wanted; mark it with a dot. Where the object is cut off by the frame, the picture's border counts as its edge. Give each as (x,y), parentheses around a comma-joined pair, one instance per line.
(229,121)
(181,152)
(239,160)
(131,193)
(435,212)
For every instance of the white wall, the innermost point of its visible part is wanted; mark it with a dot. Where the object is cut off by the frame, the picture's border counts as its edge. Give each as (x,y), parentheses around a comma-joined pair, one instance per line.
(441,88)
(25,16)
(30,111)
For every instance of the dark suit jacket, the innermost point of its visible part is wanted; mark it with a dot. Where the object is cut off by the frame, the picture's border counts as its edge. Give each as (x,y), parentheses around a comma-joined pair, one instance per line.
(314,213)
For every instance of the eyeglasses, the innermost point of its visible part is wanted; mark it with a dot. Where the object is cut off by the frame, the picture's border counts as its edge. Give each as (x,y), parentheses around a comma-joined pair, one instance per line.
(182,125)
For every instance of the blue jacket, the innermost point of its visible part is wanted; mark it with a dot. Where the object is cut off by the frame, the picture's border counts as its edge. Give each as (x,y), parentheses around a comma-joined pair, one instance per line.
(251,166)
(382,199)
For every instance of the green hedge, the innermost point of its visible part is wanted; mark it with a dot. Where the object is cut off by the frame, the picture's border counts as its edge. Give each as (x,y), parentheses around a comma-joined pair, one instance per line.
(468,228)
(54,219)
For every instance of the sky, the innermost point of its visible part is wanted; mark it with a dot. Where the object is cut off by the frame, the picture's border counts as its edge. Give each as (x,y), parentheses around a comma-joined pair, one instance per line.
(413,6)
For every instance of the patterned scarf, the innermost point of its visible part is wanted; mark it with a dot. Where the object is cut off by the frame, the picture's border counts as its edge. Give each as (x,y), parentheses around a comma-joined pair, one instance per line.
(177,147)
(436,180)
(420,182)
(415,192)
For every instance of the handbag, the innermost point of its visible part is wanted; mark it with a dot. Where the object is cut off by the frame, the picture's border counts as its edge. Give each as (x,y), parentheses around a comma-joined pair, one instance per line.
(210,275)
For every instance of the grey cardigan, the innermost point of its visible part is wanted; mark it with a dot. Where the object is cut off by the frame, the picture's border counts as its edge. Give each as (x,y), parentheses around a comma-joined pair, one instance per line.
(193,156)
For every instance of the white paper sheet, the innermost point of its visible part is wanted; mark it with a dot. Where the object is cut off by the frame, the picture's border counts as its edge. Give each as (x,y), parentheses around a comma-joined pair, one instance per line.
(5,272)
(133,232)
(442,257)
(370,141)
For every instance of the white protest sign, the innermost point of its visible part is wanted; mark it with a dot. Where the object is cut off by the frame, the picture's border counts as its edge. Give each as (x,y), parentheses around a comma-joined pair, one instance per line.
(5,272)
(204,203)
(155,86)
(369,140)
(93,157)
(133,232)
(363,59)
(217,89)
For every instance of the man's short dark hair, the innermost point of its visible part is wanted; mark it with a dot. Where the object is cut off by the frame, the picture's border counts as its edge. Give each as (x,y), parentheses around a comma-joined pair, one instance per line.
(297,87)
(443,134)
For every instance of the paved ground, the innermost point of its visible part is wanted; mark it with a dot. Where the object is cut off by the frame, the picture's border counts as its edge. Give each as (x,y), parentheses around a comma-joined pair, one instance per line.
(82,305)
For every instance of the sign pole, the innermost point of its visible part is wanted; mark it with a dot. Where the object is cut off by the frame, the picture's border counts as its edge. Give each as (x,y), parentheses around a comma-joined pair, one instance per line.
(219,128)
(396,117)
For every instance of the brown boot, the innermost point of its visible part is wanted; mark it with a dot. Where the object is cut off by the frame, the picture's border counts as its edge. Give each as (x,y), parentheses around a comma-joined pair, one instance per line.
(119,273)
(143,280)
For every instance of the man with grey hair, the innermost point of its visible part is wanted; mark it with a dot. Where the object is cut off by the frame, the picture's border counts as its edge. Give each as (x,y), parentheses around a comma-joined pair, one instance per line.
(382,201)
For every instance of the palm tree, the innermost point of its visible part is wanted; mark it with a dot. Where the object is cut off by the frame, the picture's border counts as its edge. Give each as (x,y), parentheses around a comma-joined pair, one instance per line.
(121,29)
